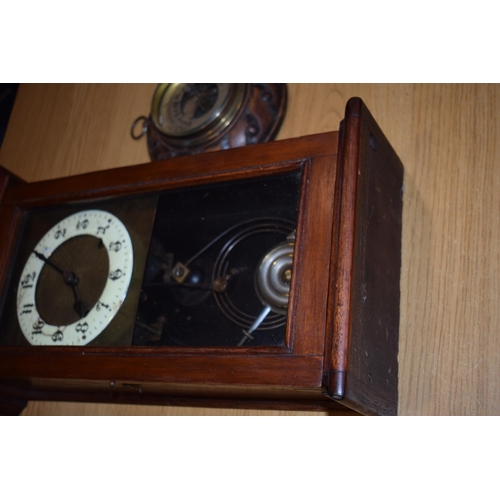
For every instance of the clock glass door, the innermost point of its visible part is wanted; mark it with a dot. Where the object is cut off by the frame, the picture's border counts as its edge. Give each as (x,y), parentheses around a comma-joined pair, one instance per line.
(201,266)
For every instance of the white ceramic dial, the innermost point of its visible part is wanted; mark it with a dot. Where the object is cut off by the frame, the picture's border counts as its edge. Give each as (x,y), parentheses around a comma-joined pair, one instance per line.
(116,240)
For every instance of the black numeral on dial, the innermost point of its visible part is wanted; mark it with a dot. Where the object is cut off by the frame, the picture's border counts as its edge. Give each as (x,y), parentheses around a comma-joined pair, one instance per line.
(60,233)
(115,275)
(102,229)
(82,327)
(82,224)
(28,280)
(38,327)
(115,245)
(27,308)
(58,336)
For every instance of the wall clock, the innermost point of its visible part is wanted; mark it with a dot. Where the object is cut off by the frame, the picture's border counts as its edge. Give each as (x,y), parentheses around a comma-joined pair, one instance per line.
(259,277)
(189,118)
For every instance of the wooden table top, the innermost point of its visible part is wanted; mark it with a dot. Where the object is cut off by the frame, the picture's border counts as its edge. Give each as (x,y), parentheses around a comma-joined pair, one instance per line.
(448,138)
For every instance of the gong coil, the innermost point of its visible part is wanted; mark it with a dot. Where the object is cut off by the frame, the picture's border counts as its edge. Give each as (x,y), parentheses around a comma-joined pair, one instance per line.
(241,235)
(273,277)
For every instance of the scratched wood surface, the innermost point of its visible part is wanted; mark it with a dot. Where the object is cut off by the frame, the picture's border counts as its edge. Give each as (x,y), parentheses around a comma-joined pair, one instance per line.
(448,137)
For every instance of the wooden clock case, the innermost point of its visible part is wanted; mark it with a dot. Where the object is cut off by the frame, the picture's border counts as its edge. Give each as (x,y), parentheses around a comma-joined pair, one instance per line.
(341,342)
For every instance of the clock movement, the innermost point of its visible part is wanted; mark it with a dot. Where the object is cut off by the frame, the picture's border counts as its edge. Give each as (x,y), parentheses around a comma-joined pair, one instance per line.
(264,276)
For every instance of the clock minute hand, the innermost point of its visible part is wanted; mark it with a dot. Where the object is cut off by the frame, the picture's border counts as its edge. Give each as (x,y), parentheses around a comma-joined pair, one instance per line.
(70,279)
(49,262)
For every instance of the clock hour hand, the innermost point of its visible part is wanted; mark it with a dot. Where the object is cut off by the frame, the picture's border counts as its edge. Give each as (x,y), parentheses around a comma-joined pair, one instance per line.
(70,279)
(80,307)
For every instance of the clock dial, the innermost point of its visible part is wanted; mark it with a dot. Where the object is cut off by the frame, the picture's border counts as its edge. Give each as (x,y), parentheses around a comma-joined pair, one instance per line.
(75,280)
(181,110)
(189,107)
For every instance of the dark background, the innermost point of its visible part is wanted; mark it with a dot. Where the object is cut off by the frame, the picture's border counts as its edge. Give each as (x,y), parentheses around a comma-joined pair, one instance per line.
(8,92)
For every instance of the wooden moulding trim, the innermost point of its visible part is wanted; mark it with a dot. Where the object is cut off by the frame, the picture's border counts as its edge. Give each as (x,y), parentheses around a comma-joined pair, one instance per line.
(348,166)
(330,406)
(10,223)
(143,351)
(271,158)
(297,263)
(7,179)
(291,371)
(313,259)
(333,260)
(10,220)
(4,181)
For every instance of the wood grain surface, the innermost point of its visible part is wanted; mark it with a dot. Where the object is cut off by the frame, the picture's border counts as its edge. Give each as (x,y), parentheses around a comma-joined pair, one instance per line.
(448,138)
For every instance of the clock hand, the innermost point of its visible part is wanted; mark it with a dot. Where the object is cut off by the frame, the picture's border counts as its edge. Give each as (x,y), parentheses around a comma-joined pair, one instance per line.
(70,279)
(80,307)
(260,318)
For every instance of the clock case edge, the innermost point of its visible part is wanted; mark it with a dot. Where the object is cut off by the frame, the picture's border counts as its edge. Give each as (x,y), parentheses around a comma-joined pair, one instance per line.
(362,353)
(12,400)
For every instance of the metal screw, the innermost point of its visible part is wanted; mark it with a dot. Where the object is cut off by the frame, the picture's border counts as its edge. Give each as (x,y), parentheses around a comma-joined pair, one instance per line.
(220,284)
(287,275)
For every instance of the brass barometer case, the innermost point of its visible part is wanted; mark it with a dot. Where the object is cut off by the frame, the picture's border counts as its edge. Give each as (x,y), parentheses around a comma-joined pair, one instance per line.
(187,118)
